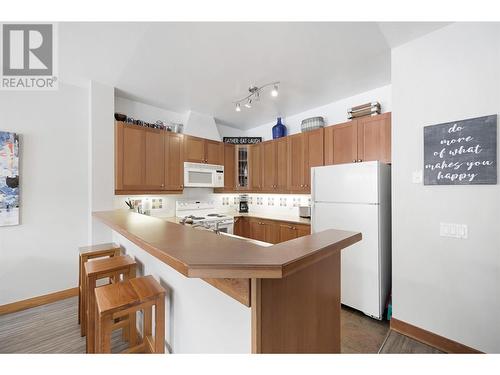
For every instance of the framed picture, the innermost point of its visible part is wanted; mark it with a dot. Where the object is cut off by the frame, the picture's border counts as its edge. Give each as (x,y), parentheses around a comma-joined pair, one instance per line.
(9,178)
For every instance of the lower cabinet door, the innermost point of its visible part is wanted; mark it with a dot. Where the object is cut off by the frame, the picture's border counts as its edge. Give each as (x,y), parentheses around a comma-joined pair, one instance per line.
(257,230)
(241,227)
(287,232)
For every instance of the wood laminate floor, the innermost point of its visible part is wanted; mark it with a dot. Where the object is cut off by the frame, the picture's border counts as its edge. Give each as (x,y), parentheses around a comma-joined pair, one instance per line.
(53,328)
(398,343)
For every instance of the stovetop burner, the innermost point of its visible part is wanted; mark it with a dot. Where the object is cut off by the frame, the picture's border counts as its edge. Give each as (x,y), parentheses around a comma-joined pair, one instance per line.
(196,217)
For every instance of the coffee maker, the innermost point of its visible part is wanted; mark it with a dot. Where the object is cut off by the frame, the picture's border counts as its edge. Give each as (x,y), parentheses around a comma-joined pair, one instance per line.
(243,206)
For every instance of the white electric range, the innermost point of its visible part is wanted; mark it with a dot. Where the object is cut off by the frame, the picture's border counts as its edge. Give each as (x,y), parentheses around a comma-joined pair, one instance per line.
(203,214)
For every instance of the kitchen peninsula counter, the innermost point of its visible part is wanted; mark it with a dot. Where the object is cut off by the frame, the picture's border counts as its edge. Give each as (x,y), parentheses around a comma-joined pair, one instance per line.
(290,287)
(197,253)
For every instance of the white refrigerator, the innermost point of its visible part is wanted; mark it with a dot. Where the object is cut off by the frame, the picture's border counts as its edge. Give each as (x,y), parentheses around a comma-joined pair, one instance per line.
(357,197)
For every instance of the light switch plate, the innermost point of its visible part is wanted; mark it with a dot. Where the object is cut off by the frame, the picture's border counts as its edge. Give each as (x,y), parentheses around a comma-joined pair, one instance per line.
(417,177)
(453,230)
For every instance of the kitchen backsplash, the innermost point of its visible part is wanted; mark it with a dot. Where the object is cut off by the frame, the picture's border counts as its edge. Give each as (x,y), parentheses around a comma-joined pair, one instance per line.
(164,205)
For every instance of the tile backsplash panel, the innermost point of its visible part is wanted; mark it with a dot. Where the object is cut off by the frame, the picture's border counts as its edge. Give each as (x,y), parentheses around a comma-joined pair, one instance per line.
(287,204)
(164,205)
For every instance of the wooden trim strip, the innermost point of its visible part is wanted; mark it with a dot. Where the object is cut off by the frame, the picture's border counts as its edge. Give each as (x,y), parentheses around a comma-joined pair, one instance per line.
(38,301)
(439,342)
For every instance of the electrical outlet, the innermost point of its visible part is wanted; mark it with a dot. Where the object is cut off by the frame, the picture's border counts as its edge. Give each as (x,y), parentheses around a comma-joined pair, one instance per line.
(453,230)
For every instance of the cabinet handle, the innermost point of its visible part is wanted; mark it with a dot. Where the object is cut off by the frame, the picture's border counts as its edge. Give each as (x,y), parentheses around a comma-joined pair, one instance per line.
(359,160)
(162,185)
(354,161)
(182,186)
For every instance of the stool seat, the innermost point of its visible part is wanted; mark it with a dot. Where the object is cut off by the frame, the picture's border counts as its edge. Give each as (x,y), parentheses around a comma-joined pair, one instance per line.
(96,250)
(128,297)
(108,265)
(120,296)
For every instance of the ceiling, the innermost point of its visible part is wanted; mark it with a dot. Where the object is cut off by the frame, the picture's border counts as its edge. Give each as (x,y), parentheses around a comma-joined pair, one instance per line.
(206,66)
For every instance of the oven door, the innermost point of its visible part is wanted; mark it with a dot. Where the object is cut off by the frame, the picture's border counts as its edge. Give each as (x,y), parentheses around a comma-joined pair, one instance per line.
(226,228)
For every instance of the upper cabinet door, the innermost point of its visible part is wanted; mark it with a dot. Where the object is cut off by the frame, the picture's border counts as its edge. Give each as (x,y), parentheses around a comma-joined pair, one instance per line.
(242,167)
(255,165)
(229,167)
(269,181)
(194,149)
(313,150)
(374,138)
(296,159)
(155,157)
(133,157)
(174,161)
(281,164)
(341,143)
(214,152)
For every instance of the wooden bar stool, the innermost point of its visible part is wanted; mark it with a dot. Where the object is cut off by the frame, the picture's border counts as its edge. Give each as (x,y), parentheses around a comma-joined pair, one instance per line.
(86,253)
(126,298)
(112,268)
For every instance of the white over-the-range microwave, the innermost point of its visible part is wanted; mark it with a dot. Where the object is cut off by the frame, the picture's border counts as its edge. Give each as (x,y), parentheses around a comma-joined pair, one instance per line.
(203,175)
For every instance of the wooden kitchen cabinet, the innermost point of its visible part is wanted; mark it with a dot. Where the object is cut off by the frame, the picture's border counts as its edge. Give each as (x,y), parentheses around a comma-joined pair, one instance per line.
(341,143)
(274,165)
(200,150)
(263,230)
(147,160)
(241,227)
(139,158)
(154,167)
(255,166)
(267,230)
(269,156)
(288,231)
(131,157)
(194,149)
(295,178)
(229,167)
(374,138)
(363,139)
(305,150)
(214,152)
(314,156)
(174,161)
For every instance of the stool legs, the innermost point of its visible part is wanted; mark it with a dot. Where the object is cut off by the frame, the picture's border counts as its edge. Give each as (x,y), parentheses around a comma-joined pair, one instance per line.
(103,333)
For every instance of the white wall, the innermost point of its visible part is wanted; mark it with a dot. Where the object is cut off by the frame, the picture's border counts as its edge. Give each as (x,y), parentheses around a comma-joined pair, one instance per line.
(147,112)
(40,256)
(333,113)
(101,158)
(447,286)
(195,123)
(201,125)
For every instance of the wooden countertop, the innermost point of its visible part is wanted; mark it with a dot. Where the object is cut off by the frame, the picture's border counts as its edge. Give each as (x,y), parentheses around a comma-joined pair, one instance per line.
(204,254)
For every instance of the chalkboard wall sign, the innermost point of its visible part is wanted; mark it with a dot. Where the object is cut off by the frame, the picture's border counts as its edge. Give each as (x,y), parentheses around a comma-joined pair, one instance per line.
(242,140)
(461,152)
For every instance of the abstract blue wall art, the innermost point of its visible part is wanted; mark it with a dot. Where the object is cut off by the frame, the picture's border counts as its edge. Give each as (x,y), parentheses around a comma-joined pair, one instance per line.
(9,178)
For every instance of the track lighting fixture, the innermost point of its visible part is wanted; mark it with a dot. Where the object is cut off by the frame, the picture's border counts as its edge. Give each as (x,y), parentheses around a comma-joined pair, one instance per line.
(255,95)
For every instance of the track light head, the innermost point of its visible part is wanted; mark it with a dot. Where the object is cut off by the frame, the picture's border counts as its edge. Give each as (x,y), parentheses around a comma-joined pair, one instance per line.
(274,92)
